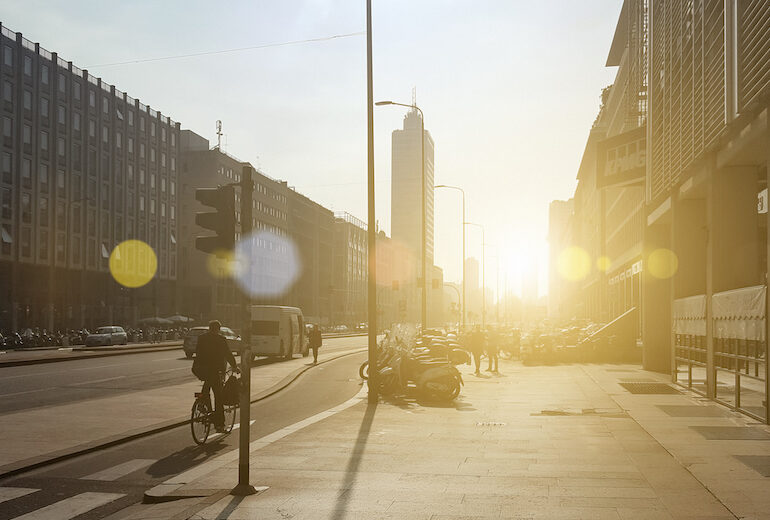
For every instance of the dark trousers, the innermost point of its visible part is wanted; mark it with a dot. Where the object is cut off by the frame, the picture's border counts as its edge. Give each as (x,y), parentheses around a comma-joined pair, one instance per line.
(492,355)
(315,354)
(477,359)
(215,384)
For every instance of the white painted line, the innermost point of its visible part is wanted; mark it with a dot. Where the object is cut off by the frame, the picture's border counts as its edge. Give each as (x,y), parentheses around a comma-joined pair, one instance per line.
(9,493)
(208,467)
(86,368)
(121,470)
(235,427)
(30,391)
(171,370)
(94,381)
(71,507)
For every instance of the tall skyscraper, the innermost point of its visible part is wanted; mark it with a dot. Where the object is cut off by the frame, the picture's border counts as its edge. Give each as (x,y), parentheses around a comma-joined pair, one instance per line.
(406,209)
(406,188)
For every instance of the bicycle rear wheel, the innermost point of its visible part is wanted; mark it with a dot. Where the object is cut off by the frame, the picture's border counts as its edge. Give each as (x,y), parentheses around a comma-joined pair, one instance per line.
(229,418)
(199,421)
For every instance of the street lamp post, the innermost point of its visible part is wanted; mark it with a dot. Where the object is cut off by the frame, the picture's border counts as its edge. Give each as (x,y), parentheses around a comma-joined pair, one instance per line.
(371,231)
(483,276)
(463,253)
(497,281)
(424,313)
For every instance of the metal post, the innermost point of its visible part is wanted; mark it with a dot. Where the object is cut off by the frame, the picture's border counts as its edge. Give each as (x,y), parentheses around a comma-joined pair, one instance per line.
(371,232)
(464,290)
(244,436)
(424,226)
(483,284)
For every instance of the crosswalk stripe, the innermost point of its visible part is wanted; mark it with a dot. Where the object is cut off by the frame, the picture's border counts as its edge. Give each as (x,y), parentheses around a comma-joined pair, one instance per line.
(121,470)
(9,493)
(71,507)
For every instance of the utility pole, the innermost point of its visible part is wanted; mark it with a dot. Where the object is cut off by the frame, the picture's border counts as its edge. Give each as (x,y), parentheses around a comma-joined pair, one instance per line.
(371,231)
(244,435)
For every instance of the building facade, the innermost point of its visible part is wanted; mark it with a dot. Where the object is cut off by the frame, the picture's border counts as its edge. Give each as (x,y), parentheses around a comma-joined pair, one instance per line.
(83,168)
(671,203)
(349,294)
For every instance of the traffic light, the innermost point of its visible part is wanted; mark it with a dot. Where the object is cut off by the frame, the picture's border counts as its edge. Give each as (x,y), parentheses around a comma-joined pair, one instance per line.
(221,221)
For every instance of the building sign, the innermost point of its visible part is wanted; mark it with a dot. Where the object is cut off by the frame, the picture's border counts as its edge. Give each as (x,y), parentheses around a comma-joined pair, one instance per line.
(621,159)
(762,201)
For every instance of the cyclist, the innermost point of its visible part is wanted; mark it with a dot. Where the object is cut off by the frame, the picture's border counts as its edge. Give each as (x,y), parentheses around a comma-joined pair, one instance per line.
(211,356)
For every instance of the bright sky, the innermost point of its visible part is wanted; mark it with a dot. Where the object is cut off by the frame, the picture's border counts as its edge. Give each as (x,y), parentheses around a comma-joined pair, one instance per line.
(509,89)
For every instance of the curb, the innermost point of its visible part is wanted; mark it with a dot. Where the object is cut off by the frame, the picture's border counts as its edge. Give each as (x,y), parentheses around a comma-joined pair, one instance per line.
(88,354)
(26,465)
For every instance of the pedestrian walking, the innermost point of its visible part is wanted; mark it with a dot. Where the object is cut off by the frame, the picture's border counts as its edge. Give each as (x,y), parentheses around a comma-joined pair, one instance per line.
(315,342)
(493,346)
(478,341)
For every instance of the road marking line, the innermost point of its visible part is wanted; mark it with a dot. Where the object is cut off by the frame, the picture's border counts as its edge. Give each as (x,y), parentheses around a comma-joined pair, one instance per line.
(71,507)
(86,368)
(9,493)
(96,381)
(171,370)
(121,470)
(235,427)
(29,391)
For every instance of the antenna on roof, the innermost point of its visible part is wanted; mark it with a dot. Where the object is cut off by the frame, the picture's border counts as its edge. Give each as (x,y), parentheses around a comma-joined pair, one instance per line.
(414,96)
(219,134)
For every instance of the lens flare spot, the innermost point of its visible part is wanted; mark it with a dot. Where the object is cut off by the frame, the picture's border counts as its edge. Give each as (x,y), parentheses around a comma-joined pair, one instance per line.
(662,263)
(221,264)
(574,263)
(266,265)
(603,263)
(133,263)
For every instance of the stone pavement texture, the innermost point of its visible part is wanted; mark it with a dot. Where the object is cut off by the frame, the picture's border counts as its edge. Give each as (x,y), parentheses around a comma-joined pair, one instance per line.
(550,442)
(40,434)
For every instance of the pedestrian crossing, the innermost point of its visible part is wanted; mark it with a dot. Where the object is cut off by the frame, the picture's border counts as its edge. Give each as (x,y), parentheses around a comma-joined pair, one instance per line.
(71,507)
(81,501)
(121,470)
(8,493)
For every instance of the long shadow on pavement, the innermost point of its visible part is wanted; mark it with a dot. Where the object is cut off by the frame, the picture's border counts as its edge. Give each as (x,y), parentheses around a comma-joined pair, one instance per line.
(355,458)
(184,459)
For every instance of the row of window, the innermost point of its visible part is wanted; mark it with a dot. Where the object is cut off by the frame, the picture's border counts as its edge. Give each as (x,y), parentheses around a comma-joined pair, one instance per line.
(8,53)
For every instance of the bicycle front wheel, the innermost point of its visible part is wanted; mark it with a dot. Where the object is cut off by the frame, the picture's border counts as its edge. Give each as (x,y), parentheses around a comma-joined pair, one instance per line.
(199,421)
(229,418)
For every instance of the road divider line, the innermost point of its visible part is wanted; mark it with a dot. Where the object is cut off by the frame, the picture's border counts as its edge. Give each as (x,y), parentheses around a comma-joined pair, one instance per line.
(121,470)
(29,391)
(71,507)
(95,381)
(10,493)
(235,427)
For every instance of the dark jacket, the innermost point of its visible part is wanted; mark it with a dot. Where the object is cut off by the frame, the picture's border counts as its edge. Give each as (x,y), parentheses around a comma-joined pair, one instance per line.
(211,354)
(315,338)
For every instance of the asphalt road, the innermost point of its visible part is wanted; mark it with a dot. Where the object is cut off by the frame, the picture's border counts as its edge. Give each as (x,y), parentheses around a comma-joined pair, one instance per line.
(132,468)
(31,386)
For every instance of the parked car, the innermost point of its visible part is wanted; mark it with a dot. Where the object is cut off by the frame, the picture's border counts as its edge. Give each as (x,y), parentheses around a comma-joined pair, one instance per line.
(191,340)
(112,335)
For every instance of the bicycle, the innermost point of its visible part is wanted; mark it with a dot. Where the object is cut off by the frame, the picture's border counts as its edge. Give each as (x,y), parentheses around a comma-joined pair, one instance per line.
(202,416)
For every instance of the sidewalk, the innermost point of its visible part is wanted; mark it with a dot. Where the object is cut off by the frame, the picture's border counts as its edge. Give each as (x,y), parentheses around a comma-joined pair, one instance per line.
(550,442)
(40,435)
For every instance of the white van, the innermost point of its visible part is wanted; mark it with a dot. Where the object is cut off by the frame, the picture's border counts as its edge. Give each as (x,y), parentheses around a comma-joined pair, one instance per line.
(277,331)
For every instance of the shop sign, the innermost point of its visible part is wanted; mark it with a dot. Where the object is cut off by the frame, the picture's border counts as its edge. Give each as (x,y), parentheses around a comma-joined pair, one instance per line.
(621,159)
